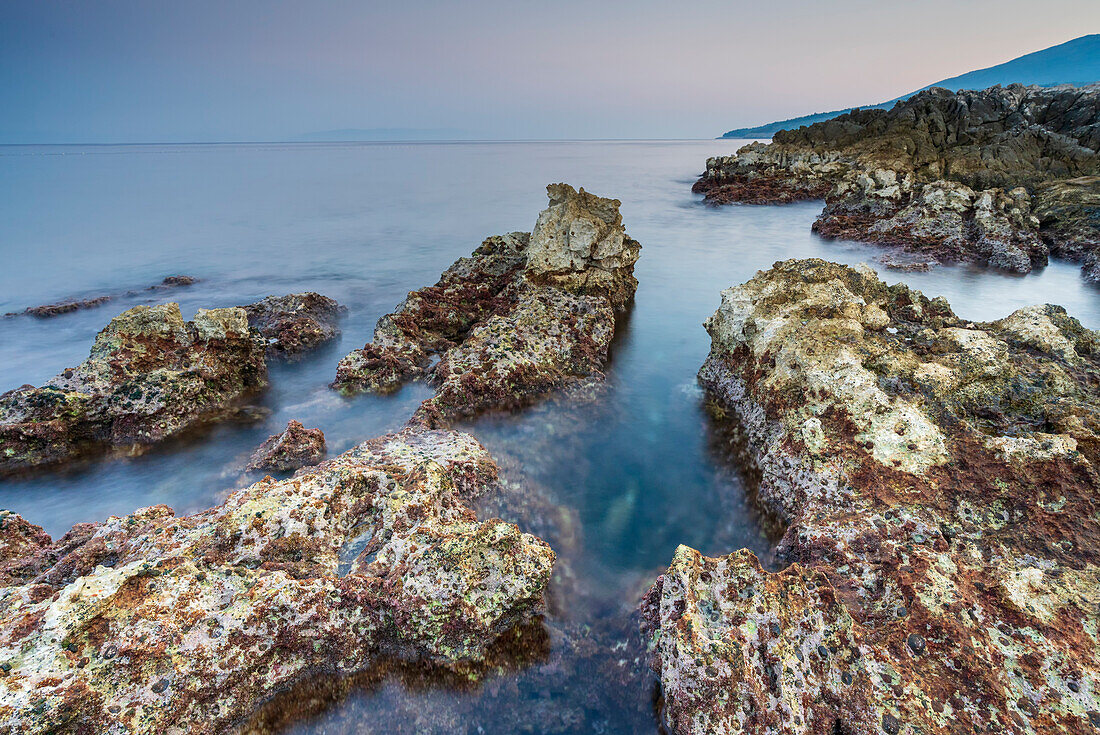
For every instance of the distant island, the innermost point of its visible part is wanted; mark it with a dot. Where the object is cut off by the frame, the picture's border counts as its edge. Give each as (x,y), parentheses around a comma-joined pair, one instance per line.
(1075,62)
(375,134)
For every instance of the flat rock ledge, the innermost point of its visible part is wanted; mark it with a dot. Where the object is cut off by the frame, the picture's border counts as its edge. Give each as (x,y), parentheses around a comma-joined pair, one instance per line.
(149,376)
(939,482)
(292,448)
(1003,176)
(527,313)
(153,623)
(296,323)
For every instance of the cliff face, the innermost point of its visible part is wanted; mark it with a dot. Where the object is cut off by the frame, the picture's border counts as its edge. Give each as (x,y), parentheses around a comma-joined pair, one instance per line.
(939,482)
(959,176)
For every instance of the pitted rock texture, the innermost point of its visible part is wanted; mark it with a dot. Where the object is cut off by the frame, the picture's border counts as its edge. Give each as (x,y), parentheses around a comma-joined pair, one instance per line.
(292,448)
(580,245)
(524,315)
(939,482)
(154,623)
(149,376)
(972,175)
(295,323)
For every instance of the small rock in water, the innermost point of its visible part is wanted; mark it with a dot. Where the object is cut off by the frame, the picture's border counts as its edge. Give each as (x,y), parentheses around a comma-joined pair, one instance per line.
(295,323)
(293,448)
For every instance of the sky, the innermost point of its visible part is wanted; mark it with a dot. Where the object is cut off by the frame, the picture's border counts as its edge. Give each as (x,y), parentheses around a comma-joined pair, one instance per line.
(101,71)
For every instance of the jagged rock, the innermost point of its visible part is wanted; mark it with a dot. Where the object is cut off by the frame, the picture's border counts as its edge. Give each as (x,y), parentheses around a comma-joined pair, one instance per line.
(939,482)
(579,245)
(292,448)
(154,623)
(1069,211)
(295,323)
(150,375)
(972,175)
(525,314)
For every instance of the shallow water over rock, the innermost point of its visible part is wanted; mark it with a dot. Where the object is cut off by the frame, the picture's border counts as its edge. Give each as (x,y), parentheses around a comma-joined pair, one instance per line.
(623,476)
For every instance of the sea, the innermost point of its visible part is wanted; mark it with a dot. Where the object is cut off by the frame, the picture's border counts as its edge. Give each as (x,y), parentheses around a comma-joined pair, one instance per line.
(615,485)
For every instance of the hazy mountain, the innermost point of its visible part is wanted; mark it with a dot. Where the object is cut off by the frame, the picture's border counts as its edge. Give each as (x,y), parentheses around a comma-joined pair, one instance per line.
(1074,62)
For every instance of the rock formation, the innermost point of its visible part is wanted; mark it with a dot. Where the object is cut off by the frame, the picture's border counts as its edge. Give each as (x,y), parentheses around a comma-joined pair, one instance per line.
(154,623)
(1003,175)
(939,482)
(295,323)
(525,314)
(149,376)
(292,448)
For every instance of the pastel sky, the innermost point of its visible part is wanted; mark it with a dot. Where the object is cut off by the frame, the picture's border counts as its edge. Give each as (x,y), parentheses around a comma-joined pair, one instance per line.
(202,70)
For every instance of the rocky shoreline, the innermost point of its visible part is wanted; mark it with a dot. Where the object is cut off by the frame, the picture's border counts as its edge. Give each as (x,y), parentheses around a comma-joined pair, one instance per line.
(365,563)
(938,482)
(1003,176)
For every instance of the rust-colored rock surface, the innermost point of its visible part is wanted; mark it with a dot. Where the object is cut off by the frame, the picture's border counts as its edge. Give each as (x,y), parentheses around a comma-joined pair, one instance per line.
(292,448)
(295,323)
(153,623)
(938,479)
(524,315)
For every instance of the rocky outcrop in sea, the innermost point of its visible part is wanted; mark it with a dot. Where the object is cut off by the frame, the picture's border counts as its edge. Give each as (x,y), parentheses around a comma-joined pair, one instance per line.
(938,481)
(524,315)
(1003,176)
(150,375)
(295,323)
(153,623)
(292,448)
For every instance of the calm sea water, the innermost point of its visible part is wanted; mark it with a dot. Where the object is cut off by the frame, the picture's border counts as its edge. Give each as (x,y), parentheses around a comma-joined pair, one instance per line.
(614,487)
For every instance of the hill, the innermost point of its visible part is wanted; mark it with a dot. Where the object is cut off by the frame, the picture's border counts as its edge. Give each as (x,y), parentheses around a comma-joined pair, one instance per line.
(1074,62)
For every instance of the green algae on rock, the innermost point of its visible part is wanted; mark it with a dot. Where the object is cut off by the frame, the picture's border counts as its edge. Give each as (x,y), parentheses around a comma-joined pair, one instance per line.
(153,623)
(525,314)
(149,376)
(939,482)
(972,175)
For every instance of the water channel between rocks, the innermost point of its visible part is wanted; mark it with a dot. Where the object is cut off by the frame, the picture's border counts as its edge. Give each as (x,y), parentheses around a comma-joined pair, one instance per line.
(613,486)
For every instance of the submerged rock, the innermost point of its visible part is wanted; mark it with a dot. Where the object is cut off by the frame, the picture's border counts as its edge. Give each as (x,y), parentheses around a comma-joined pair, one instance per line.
(1000,176)
(292,448)
(525,314)
(939,482)
(46,311)
(295,323)
(149,376)
(154,623)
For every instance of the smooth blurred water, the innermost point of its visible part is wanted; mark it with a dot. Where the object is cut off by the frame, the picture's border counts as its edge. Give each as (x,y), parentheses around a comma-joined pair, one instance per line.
(624,482)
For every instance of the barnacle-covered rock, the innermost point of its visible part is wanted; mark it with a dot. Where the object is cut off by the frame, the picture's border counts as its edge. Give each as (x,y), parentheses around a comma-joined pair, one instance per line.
(295,323)
(526,313)
(292,448)
(999,176)
(153,623)
(939,482)
(150,375)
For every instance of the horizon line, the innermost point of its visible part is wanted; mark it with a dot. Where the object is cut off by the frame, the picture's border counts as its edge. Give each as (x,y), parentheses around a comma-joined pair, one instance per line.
(325,142)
